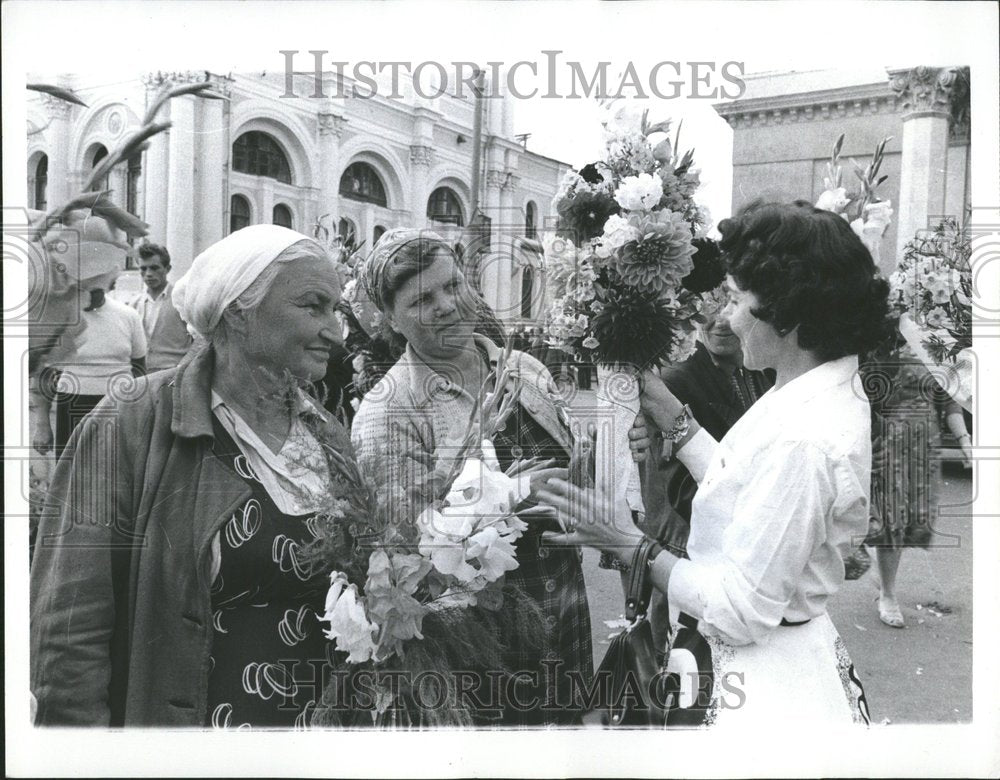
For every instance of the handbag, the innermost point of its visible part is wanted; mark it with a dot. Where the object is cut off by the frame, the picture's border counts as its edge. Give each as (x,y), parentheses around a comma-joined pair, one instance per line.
(627,677)
(688,678)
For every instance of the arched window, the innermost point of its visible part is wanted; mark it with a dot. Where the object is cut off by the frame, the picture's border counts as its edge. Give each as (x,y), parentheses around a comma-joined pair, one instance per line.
(259,154)
(377,234)
(361,182)
(239,213)
(530,220)
(527,288)
(99,153)
(38,197)
(133,172)
(444,206)
(347,232)
(282,215)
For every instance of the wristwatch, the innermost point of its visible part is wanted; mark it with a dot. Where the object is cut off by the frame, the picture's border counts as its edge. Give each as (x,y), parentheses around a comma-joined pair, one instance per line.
(681,426)
(654,549)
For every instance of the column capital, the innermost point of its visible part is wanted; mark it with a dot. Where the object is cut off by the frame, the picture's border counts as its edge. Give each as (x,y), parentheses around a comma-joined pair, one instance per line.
(924,90)
(331,124)
(421,156)
(496,179)
(511,181)
(221,85)
(160,80)
(56,108)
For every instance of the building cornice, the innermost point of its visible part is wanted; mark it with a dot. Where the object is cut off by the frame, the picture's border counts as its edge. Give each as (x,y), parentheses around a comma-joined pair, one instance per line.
(860,100)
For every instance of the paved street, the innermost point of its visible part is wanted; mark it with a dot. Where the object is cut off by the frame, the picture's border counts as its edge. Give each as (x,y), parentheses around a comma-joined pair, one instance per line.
(918,674)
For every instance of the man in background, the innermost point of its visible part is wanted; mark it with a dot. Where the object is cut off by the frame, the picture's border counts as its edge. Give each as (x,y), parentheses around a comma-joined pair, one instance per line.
(166,334)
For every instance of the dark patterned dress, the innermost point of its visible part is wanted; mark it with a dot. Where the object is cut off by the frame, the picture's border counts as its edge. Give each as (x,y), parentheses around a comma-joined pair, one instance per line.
(903,395)
(268,650)
(553,577)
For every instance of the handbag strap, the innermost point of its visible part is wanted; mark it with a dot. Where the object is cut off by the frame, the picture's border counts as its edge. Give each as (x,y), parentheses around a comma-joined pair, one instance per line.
(640,586)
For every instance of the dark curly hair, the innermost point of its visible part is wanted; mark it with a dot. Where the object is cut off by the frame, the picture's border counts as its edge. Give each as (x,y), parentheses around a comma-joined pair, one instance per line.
(808,270)
(149,250)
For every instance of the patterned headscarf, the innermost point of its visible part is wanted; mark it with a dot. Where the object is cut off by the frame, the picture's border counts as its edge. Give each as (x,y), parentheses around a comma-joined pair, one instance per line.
(226,269)
(373,274)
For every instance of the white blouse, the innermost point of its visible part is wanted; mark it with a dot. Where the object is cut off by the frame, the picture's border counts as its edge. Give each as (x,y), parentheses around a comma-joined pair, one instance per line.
(296,477)
(783,494)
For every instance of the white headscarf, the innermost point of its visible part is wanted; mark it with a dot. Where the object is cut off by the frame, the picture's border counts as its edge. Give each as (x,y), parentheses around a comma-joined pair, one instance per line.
(226,269)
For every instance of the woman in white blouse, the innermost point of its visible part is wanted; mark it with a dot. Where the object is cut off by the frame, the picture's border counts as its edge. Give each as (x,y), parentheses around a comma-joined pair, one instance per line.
(783,493)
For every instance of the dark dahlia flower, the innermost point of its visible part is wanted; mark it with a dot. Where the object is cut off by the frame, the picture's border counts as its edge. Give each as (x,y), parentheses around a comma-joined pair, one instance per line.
(634,329)
(709,271)
(591,173)
(582,215)
(661,257)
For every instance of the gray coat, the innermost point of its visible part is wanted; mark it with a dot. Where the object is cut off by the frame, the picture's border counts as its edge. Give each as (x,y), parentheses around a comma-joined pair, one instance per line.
(121,623)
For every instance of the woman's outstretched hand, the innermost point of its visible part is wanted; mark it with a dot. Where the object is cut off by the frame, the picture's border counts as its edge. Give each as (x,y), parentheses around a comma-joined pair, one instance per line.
(590,518)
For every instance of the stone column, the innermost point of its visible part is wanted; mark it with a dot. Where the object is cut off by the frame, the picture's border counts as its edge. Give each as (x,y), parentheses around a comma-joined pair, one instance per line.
(211,172)
(331,130)
(264,207)
(181,183)
(156,171)
(508,294)
(60,166)
(491,268)
(925,93)
(421,160)
(367,227)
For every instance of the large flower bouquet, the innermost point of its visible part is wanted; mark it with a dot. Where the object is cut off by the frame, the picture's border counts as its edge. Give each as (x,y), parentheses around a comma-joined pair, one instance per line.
(616,271)
(617,262)
(933,284)
(931,291)
(416,590)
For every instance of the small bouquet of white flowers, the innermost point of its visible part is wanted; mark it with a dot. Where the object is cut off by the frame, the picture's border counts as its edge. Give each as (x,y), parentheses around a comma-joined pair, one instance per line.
(416,587)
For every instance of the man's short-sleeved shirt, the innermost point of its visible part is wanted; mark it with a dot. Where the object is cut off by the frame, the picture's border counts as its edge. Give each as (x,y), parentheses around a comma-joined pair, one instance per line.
(112,339)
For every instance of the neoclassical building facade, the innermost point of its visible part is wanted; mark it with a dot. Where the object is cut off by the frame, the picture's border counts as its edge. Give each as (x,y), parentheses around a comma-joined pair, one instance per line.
(333,166)
(785,126)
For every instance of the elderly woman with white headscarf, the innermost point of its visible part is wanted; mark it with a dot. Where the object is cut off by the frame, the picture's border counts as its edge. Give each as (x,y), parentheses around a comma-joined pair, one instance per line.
(167,587)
